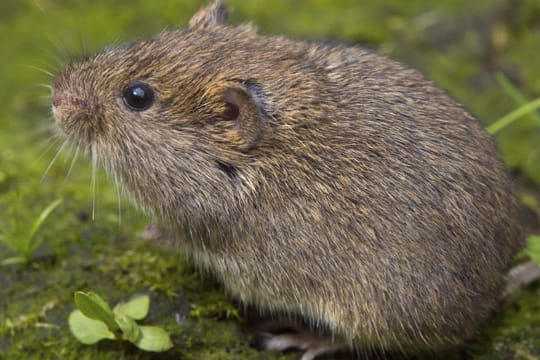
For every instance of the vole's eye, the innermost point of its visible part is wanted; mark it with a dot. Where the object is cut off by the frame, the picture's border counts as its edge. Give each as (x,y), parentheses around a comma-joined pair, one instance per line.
(138,96)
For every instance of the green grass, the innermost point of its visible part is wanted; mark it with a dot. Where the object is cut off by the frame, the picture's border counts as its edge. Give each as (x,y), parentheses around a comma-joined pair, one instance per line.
(22,241)
(520,112)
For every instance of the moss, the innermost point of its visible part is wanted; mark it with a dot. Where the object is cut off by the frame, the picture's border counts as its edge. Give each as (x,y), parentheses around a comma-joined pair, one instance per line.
(204,324)
(515,333)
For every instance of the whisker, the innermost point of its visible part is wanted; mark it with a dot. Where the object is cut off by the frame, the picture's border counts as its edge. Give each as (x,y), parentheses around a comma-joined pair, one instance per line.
(118,196)
(47,142)
(44,97)
(46,72)
(72,164)
(40,7)
(62,55)
(93,181)
(53,142)
(58,62)
(39,100)
(54,160)
(38,138)
(45,128)
(46,86)
(82,42)
(44,65)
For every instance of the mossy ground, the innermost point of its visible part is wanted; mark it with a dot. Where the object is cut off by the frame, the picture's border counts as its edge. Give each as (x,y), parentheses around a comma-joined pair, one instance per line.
(460,44)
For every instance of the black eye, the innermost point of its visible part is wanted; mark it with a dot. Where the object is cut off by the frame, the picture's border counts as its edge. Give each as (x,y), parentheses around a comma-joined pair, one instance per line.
(138,96)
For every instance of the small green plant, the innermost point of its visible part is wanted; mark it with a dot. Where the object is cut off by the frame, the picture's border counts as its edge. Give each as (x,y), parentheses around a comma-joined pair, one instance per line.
(532,249)
(24,242)
(525,107)
(94,321)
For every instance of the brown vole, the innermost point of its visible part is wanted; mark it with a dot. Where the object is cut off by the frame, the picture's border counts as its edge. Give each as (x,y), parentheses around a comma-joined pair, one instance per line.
(318,180)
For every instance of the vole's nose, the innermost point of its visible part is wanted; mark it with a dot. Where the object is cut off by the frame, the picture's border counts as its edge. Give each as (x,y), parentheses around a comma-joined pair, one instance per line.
(56,97)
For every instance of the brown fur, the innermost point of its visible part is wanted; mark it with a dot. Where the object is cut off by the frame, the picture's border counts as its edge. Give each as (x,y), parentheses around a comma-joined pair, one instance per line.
(320,180)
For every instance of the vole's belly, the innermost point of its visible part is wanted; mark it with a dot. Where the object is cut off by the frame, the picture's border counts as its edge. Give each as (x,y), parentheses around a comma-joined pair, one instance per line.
(373,305)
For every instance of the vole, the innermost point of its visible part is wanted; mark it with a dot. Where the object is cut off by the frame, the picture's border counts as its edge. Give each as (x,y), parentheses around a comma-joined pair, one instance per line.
(315,180)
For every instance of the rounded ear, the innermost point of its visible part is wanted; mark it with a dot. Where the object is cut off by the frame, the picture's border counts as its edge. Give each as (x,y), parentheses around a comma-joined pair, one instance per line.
(246,114)
(214,14)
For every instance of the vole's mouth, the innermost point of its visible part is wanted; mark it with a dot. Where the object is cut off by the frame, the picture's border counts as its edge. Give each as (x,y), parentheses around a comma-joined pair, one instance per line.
(74,124)
(57,113)
(58,116)
(54,112)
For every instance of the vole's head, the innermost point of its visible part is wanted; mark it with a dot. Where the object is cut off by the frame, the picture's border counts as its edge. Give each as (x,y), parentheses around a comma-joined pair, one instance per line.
(166,118)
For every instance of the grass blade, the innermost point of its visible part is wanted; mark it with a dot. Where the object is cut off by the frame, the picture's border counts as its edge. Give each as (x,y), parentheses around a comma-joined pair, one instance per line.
(515,94)
(13,261)
(513,116)
(39,221)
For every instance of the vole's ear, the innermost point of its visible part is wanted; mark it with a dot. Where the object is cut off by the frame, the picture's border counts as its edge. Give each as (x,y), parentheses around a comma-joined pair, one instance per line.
(211,15)
(244,115)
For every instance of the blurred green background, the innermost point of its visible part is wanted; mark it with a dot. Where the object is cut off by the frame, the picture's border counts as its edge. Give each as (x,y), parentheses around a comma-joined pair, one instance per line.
(90,240)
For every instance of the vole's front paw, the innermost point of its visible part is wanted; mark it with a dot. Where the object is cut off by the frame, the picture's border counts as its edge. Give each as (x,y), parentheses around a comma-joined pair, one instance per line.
(311,344)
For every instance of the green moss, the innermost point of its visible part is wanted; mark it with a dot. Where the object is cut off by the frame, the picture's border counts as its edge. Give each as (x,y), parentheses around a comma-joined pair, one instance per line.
(140,268)
(515,333)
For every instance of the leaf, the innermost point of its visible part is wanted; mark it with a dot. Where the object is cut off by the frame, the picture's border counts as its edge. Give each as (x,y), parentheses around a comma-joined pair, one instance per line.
(86,330)
(136,308)
(94,307)
(153,338)
(13,261)
(130,330)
